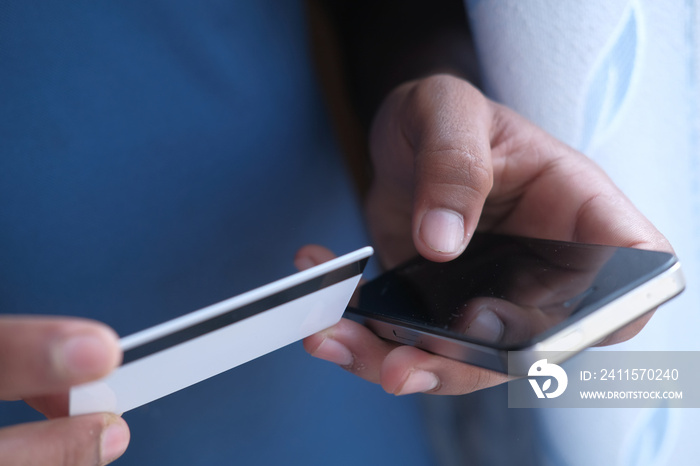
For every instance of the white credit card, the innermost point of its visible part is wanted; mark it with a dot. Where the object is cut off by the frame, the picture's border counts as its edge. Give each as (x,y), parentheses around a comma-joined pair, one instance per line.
(181,352)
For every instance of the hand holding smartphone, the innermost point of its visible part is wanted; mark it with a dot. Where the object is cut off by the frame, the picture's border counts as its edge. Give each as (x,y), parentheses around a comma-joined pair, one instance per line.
(509,293)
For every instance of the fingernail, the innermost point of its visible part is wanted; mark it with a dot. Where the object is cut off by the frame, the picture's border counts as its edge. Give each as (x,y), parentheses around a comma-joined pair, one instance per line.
(115,439)
(82,356)
(486,326)
(442,230)
(335,352)
(419,382)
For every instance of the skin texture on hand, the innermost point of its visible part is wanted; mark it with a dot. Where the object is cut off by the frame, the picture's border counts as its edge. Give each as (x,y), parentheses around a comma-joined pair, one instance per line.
(441,149)
(40,359)
(448,161)
(399,369)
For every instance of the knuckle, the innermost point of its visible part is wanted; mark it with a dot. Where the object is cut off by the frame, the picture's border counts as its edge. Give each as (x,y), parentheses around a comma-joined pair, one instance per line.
(460,167)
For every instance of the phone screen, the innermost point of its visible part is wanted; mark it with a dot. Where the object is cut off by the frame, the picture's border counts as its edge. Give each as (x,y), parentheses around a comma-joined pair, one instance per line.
(507,292)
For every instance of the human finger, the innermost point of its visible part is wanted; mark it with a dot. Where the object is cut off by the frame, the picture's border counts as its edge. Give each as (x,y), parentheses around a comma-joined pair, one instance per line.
(311,255)
(46,355)
(353,347)
(409,370)
(447,125)
(365,359)
(75,441)
(398,369)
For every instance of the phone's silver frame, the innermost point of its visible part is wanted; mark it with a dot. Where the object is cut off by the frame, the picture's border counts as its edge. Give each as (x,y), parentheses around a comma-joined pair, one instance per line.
(581,334)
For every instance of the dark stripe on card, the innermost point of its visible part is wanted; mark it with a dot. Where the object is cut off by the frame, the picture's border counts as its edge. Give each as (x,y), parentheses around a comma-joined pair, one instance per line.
(236,315)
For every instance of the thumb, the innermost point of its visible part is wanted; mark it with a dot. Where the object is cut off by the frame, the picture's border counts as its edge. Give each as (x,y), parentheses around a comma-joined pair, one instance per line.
(75,441)
(448,128)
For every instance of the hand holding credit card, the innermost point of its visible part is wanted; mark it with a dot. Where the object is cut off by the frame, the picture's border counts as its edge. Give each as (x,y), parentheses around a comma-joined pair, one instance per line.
(181,352)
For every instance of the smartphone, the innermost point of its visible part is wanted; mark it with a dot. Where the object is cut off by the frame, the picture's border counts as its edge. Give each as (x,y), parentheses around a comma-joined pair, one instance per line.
(507,294)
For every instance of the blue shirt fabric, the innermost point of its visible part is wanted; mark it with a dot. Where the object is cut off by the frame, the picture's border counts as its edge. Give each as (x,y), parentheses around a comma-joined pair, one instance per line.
(156,157)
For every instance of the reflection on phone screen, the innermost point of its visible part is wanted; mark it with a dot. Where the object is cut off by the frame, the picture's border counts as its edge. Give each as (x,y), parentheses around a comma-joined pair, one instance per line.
(507,291)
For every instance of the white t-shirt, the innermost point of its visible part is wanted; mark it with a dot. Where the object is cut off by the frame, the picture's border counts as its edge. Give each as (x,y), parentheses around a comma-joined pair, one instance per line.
(620,81)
